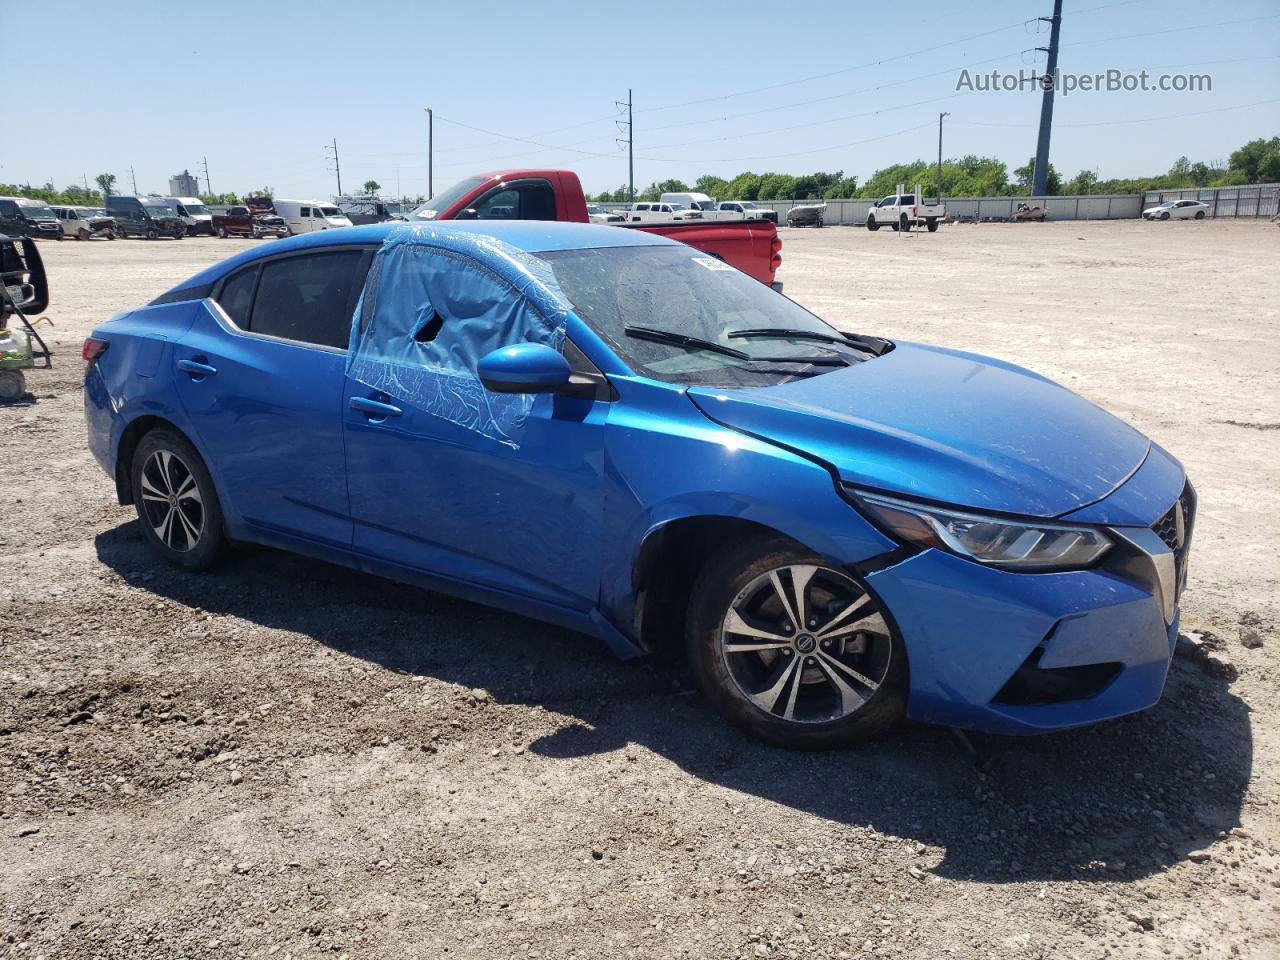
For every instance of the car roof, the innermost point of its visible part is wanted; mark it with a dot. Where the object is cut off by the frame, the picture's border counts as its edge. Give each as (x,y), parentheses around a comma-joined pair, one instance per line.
(531,236)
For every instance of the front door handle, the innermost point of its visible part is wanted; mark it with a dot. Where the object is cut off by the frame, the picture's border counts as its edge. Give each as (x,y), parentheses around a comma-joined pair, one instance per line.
(374,409)
(196,369)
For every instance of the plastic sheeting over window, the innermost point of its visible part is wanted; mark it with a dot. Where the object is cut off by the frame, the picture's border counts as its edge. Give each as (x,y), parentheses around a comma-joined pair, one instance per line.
(437,301)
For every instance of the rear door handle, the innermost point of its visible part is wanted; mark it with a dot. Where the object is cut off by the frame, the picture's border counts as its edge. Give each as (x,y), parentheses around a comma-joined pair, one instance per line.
(197,369)
(374,409)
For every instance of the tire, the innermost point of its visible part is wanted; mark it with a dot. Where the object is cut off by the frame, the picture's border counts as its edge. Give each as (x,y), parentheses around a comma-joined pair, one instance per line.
(1164,216)
(61,236)
(1199,214)
(182,232)
(872,225)
(932,224)
(222,233)
(153,233)
(165,464)
(1042,218)
(893,227)
(13,386)
(803,691)
(82,234)
(904,225)
(111,234)
(256,233)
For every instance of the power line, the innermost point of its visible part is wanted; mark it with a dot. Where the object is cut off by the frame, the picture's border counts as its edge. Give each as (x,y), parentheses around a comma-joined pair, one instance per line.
(1161,33)
(795,153)
(1110,123)
(833,73)
(838,96)
(548,146)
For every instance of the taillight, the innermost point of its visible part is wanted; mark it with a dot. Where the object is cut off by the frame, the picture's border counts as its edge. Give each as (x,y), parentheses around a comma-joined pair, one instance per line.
(93,348)
(777,244)
(776,261)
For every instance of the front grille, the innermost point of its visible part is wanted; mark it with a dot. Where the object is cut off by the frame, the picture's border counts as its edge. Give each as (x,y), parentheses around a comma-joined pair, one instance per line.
(1174,528)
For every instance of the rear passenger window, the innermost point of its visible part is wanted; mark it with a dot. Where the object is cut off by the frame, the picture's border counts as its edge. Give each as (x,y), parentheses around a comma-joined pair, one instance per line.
(237,295)
(304,212)
(309,298)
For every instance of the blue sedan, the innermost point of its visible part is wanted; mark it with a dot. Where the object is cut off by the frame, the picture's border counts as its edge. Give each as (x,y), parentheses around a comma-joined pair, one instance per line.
(619,434)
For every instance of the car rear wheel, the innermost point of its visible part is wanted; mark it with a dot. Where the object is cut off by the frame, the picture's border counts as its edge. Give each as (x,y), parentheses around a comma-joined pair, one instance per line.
(904,224)
(176,501)
(872,225)
(794,651)
(932,225)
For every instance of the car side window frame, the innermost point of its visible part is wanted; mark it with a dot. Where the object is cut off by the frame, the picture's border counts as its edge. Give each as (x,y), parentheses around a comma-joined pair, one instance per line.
(362,270)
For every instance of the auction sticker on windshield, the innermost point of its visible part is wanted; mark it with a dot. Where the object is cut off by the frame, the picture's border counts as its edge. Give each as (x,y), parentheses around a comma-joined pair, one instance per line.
(711,263)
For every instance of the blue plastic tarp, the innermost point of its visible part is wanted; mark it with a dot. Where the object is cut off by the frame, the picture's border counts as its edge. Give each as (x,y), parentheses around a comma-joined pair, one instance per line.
(436,302)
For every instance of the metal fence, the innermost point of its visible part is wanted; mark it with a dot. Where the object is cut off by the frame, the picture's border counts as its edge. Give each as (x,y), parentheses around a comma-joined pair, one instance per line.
(1254,200)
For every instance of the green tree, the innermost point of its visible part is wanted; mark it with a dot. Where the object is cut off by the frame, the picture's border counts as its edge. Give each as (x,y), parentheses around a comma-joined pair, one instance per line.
(745,186)
(268,192)
(106,183)
(712,186)
(1082,183)
(1258,160)
(372,186)
(1025,176)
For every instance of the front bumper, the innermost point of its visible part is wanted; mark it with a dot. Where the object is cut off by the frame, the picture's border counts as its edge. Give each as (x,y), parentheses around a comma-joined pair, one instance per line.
(1018,653)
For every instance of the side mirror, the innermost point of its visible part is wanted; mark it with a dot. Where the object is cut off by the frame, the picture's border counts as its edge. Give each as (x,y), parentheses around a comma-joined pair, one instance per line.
(468,214)
(525,368)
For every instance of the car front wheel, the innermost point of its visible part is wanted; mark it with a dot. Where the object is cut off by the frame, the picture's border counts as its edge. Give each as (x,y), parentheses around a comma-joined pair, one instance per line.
(794,651)
(872,225)
(176,501)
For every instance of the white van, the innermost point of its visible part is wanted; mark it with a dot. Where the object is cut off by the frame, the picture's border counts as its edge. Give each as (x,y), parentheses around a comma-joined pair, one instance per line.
(657,211)
(690,201)
(308,216)
(195,216)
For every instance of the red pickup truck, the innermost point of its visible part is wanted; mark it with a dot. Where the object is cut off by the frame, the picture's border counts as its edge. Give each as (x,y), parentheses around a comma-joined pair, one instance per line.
(753,246)
(257,219)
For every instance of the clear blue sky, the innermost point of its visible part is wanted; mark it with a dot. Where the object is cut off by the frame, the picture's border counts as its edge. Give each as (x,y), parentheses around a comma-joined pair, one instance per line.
(261,88)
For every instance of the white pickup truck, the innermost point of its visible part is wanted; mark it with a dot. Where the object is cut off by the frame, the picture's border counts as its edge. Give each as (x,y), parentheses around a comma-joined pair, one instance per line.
(903,210)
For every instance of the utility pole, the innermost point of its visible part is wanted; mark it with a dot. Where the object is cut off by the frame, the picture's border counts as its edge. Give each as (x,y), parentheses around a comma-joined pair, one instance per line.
(630,142)
(940,116)
(430,152)
(134,179)
(207,189)
(1040,177)
(337,168)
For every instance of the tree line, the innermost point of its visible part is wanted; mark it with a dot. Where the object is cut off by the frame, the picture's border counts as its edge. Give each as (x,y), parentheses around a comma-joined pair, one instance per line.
(1258,161)
(971,176)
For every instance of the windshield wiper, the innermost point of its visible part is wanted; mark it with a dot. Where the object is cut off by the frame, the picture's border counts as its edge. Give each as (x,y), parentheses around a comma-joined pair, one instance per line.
(875,346)
(698,343)
(684,340)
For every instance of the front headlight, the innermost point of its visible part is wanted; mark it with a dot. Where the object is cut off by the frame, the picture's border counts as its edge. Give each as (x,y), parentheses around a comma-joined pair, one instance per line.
(996,541)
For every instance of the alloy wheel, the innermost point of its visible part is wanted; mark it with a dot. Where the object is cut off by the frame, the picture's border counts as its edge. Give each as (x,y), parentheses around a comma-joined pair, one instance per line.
(806,644)
(171,501)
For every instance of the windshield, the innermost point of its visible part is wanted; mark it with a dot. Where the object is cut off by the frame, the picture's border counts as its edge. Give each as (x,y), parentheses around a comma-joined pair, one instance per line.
(678,289)
(37,212)
(446,199)
(196,209)
(748,205)
(331,212)
(157,211)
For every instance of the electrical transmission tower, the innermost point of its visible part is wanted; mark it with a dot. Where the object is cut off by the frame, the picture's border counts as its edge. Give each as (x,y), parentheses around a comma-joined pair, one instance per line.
(630,142)
(336,169)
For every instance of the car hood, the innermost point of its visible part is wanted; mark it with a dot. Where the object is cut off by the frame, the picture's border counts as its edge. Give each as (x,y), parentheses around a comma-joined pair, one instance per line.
(944,425)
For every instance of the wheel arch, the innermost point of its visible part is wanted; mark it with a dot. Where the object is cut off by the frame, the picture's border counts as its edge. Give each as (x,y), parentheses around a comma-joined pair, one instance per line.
(130,437)
(668,562)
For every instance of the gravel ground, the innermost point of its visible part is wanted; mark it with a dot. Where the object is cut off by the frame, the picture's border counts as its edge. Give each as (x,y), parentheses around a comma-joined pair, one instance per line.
(289,759)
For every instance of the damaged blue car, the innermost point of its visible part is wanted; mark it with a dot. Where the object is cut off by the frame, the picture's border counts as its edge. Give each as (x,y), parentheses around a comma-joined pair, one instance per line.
(619,434)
